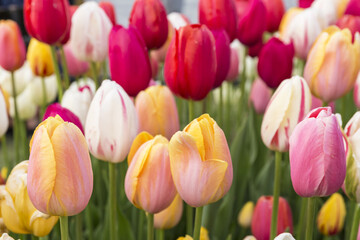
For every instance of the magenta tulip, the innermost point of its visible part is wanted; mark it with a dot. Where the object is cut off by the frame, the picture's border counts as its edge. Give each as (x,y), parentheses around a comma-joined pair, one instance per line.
(129,60)
(275,62)
(65,114)
(222,56)
(255,49)
(305,3)
(219,14)
(353,8)
(317,155)
(149,17)
(190,64)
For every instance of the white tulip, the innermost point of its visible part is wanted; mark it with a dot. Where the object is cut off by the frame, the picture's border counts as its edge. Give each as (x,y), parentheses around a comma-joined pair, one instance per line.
(36,89)
(4,119)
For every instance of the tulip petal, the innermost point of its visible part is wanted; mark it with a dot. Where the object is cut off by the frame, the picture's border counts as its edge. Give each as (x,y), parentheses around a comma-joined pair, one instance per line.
(140,139)
(187,168)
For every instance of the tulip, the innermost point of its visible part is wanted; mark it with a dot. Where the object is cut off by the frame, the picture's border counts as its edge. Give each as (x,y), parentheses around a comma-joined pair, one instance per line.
(65,114)
(219,14)
(222,45)
(316,102)
(39,58)
(190,64)
(75,66)
(261,221)
(275,62)
(250,237)
(356,94)
(255,49)
(234,65)
(25,105)
(64,41)
(353,7)
(245,215)
(109,9)
(12,46)
(305,3)
(317,155)
(90,33)
(78,98)
(4,119)
(302,29)
(285,236)
(19,214)
(274,13)
(204,235)
(287,18)
(23,76)
(331,217)
(157,112)
(351,22)
(149,17)
(326,11)
(280,119)
(169,217)
(37,96)
(260,95)
(111,123)
(5,236)
(196,162)
(60,178)
(47,21)
(128,54)
(331,74)
(250,30)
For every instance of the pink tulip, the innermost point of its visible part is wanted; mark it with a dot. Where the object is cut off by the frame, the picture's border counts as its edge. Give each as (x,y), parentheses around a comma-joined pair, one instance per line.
(65,114)
(317,155)
(108,8)
(305,3)
(222,56)
(357,91)
(75,66)
(316,103)
(129,60)
(351,22)
(234,65)
(260,95)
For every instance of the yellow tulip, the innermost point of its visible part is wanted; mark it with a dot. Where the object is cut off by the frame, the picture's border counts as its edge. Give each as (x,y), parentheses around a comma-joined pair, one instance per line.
(333,64)
(39,58)
(245,215)
(19,214)
(171,216)
(204,235)
(331,217)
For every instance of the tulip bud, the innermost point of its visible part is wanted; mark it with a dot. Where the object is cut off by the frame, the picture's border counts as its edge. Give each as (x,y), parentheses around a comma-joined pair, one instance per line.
(25,105)
(260,95)
(219,14)
(72,9)
(4,118)
(65,114)
(317,155)
(149,17)
(261,221)
(234,65)
(39,58)
(305,3)
(250,29)
(23,76)
(75,66)
(280,119)
(111,123)
(356,93)
(60,177)
(90,33)
(169,217)
(275,62)
(274,13)
(5,236)
(12,46)
(47,21)
(196,162)
(19,214)
(190,64)
(128,54)
(284,236)
(78,98)
(331,217)
(331,74)
(351,22)
(245,215)
(37,95)
(222,45)
(353,7)
(157,112)
(109,9)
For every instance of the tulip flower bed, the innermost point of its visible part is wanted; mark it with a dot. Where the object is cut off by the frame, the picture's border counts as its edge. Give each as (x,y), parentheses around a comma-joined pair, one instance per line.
(241,126)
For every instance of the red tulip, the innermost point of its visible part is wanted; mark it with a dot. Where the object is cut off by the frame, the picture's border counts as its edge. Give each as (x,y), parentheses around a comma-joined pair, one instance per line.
(219,14)
(274,12)
(65,114)
(275,62)
(72,9)
(261,220)
(255,50)
(108,7)
(251,28)
(190,63)
(353,8)
(47,21)
(129,60)
(351,22)
(222,56)
(149,17)
(305,3)
(12,46)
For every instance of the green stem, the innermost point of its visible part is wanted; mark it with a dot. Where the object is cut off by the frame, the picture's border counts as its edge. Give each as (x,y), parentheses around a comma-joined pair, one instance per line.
(23,137)
(140,225)
(191,110)
(65,67)
(324,104)
(112,197)
(160,234)
(189,219)
(198,217)
(242,84)
(57,72)
(104,69)
(300,230)
(150,226)
(64,227)
(34,237)
(276,194)
(355,223)
(221,107)
(78,227)
(95,74)
(16,123)
(4,147)
(43,107)
(310,218)
(88,221)
(44,238)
